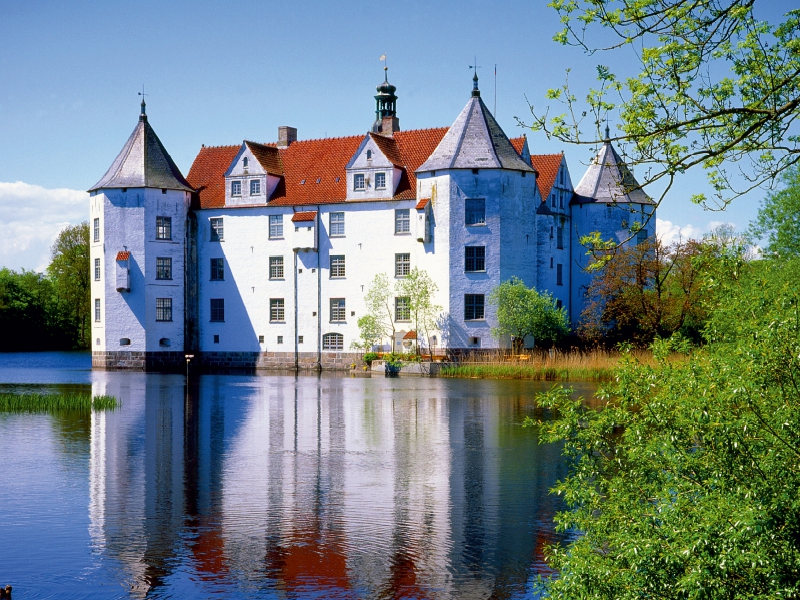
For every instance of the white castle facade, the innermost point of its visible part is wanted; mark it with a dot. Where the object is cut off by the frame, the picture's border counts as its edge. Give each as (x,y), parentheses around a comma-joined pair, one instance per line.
(262,255)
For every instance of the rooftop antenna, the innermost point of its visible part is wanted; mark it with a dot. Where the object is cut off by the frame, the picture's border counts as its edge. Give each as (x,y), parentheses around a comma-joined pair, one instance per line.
(142,94)
(385,68)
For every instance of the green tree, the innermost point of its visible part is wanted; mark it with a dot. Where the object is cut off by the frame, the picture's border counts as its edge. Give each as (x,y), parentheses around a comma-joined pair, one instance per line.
(69,270)
(523,311)
(380,309)
(715,88)
(684,476)
(371,331)
(419,288)
(779,218)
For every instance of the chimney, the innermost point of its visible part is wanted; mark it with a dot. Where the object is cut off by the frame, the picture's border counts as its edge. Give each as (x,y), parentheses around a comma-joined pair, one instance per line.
(286,135)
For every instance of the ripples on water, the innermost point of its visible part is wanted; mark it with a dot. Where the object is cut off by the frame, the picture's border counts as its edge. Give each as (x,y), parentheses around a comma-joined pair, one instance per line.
(275,486)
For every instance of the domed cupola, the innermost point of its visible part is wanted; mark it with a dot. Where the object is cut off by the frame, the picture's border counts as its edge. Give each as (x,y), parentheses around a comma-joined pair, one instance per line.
(386,121)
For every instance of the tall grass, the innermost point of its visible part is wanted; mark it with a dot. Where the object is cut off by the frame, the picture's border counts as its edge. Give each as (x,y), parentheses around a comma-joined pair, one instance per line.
(40,403)
(594,365)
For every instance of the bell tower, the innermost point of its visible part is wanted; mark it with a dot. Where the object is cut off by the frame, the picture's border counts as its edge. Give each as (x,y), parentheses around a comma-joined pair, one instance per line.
(386,121)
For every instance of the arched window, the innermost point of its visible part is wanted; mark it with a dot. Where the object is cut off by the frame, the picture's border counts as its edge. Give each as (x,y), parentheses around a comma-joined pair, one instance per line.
(369,154)
(333,341)
(244,162)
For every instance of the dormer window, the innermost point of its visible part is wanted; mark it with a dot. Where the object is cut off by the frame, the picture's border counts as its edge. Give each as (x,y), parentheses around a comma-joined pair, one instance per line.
(380,181)
(358,182)
(369,154)
(244,163)
(255,187)
(236,188)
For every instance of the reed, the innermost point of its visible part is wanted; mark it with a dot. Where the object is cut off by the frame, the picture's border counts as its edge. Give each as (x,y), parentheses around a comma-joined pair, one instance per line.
(40,403)
(594,365)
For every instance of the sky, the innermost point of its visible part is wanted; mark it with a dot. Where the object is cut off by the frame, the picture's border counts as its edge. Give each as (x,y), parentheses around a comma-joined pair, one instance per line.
(221,72)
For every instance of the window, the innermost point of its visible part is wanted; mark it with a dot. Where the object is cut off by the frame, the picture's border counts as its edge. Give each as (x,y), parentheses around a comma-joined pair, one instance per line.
(473,307)
(97,310)
(276,312)
(551,262)
(236,188)
(97,230)
(217,309)
(560,238)
(163,228)
(216,338)
(338,312)
(217,231)
(641,237)
(333,341)
(255,187)
(97,269)
(261,339)
(559,274)
(553,200)
(245,162)
(358,182)
(299,339)
(402,309)
(217,269)
(475,211)
(337,224)
(380,181)
(276,267)
(275,226)
(280,339)
(163,309)
(402,265)
(163,268)
(475,258)
(402,221)
(337,265)
(559,304)
(369,154)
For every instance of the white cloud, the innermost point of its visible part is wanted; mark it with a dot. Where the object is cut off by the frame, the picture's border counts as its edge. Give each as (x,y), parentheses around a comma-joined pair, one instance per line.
(32,217)
(670,233)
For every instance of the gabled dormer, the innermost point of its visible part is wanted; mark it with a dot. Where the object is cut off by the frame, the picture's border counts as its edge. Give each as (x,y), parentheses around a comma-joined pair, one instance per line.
(375,170)
(253,175)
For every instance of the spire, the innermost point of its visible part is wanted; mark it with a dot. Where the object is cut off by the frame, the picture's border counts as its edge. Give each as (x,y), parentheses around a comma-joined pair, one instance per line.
(386,121)
(608,180)
(607,139)
(476,93)
(143,114)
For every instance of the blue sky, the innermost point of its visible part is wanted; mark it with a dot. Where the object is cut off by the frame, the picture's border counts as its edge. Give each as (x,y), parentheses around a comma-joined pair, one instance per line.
(220,72)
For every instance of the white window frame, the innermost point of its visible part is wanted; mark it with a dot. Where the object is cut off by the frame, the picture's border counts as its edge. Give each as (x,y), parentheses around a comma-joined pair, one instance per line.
(255,187)
(217,229)
(276,267)
(236,188)
(336,224)
(402,303)
(338,307)
(97,230)
(402,221)
(402,264)
(380,181)
(277,310)
(333,341)
(97,269)
(275,227)
(359,182)
(338,263)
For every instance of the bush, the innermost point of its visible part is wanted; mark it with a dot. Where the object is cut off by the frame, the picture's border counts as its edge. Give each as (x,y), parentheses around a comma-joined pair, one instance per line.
(370,356)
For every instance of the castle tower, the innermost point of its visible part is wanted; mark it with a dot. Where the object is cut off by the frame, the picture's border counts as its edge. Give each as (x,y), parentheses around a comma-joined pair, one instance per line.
(386,121)
(137,256)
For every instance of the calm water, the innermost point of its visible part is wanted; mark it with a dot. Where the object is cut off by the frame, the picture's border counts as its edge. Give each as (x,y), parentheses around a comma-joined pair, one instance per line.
(273,487)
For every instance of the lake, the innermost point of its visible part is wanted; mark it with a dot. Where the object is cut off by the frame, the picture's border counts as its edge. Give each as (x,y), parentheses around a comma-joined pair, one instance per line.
(274,486)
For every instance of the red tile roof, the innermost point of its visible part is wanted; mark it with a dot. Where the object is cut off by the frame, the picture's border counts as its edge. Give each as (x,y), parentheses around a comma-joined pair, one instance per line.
(518,143)
(304,216)
(314,170)
(411,335)
(422,203)
(123,255)
(547,165)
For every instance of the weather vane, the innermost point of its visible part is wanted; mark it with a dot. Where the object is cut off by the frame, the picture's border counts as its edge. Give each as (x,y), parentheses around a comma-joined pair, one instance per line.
(476,66)
(142,94)
(385,68)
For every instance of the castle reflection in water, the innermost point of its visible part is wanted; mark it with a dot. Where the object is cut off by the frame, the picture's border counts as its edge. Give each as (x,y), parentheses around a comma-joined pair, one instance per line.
(320,486)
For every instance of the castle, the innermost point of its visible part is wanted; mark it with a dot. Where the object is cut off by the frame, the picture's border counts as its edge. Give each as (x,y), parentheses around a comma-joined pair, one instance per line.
(262,255)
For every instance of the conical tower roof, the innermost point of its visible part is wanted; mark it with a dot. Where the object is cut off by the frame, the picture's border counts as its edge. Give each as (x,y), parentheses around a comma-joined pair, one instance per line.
(143,162)
(608,180)
(475,141)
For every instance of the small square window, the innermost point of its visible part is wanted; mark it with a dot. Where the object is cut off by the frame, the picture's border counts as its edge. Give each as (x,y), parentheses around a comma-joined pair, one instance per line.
(299,339)
(276,267)
(255,187)
(473,307)
(97,269)
(217,309)
(358,182)
(163,228)
(641,236)
(338,312)
(217,269)
(97,230)
(276,310)
(380,181)
(275,226)
(261,339)
(163,309)
(337,224)
(337,266)
(475,258)
(475,211)
(163,267)
(236,188)
(402,220)
(402,264)
(217,231)
(216,338)
(280,339)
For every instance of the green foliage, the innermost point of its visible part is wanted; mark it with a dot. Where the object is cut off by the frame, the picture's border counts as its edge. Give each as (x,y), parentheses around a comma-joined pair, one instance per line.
(685,480)
(69,270)
(523,311)
(40,403)
(371,331)
(370,356)
(779,218)
(380,310)
(714,87)
(419,288)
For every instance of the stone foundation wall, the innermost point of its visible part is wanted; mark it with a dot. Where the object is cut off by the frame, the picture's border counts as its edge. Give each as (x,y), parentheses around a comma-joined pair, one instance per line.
(175,361)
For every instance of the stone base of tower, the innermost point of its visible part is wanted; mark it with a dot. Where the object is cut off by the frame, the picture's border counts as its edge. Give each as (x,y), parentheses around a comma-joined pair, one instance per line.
(139,361)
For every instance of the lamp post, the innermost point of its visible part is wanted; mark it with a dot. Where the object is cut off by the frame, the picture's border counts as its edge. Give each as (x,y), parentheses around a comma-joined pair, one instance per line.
(188,357)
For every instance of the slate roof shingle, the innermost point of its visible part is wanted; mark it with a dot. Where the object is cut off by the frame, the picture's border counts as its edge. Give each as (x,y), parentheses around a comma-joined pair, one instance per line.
(608,180)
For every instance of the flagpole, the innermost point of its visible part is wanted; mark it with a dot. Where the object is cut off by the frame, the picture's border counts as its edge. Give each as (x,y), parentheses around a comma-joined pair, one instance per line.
(495,90)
